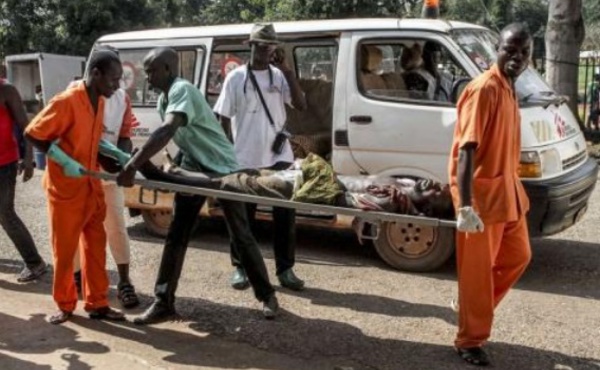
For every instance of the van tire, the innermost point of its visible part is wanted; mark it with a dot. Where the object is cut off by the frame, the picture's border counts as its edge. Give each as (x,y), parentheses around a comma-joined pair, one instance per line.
(415,248)
(157,221)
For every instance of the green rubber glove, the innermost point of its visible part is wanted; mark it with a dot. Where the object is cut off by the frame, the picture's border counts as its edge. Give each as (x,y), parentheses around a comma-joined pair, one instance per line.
(108,149)
(71,167)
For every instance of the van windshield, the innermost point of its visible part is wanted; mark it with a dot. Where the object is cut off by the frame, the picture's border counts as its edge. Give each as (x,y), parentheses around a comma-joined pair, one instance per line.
(480,46)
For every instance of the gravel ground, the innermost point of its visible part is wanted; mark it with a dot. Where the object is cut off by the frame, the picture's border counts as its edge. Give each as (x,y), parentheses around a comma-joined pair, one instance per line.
(356,313)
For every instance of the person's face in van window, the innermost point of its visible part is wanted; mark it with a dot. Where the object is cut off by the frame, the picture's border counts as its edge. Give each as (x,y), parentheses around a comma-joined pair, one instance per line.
(514,52)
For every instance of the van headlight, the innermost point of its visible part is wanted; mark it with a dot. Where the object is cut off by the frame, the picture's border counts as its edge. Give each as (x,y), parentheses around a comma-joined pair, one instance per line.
(535,165)
(551,163)
(530,165)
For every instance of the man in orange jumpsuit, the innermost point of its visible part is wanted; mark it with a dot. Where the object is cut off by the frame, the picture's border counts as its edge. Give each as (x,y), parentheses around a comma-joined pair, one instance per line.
(492,240)
(68,130)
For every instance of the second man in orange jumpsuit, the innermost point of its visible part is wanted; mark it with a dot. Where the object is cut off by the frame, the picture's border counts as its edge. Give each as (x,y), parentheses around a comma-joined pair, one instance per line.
(492,240)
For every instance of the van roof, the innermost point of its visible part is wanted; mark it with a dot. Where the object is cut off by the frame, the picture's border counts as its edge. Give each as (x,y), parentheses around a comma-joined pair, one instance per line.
(282,28)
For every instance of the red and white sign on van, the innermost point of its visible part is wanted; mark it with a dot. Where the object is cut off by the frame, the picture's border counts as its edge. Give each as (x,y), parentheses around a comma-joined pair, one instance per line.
(229,64)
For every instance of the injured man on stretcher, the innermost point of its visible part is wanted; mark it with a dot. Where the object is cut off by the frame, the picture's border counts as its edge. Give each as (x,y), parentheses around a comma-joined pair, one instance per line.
(313,181)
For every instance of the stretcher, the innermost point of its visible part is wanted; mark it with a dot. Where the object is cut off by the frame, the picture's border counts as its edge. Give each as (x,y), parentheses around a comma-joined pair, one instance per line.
(372,217)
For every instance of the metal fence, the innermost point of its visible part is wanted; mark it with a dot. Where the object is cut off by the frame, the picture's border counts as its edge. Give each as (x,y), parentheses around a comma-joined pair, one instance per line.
(588,91)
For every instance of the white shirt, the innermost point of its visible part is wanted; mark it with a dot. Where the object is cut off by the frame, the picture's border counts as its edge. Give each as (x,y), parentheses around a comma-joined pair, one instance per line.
(253,135)
(114,111)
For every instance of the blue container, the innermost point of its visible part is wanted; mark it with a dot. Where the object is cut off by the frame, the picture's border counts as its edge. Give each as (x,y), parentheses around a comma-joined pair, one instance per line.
(40,159)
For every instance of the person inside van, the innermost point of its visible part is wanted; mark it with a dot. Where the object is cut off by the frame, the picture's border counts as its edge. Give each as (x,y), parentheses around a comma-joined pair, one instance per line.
(431,61)
(419,82)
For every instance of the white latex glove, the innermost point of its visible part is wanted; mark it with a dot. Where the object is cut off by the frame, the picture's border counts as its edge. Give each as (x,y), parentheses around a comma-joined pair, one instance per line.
(468,220)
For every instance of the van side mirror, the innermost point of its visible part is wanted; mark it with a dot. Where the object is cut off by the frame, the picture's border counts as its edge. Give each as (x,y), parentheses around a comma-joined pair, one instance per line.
(457,88)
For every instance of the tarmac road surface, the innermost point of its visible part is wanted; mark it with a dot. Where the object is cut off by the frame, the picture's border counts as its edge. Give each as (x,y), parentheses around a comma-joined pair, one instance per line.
(356,313)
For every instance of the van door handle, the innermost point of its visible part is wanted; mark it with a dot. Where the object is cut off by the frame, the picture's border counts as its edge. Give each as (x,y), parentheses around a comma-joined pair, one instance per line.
(361,120)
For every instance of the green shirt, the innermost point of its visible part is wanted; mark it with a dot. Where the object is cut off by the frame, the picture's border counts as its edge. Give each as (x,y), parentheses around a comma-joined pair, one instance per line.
(202,140)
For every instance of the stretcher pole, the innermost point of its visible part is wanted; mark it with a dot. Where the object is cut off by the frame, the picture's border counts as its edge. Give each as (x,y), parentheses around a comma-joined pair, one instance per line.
(370,216)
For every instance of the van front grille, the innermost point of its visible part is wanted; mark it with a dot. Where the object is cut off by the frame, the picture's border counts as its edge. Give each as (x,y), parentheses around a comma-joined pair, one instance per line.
(574,160)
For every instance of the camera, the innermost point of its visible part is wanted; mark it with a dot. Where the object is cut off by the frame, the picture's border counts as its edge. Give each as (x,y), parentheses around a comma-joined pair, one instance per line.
(279,141)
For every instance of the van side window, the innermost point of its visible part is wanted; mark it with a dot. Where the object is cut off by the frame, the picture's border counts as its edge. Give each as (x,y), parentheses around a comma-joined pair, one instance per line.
(134,77)
(221,63)
(407,70)
(311,128)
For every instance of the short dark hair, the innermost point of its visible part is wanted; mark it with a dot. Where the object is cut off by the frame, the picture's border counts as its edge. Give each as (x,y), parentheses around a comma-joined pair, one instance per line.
(518,29)
(103,60)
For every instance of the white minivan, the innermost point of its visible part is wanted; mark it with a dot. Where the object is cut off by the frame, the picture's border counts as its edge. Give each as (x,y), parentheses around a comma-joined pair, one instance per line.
(374,108)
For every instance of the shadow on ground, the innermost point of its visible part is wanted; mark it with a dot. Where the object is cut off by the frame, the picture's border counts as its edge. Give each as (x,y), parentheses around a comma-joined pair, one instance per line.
(573,266)
(307,339)
(35,336)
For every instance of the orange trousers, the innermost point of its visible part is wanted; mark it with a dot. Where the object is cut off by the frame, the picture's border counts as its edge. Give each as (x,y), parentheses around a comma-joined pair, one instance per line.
(489,264)
(72,223)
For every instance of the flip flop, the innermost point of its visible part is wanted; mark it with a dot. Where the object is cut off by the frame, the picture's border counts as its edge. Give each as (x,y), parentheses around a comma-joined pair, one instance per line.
(59,317)
(474,356)
(106,313)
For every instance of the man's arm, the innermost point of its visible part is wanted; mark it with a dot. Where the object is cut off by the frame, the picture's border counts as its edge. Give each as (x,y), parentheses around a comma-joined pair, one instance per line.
(298,98)
(226,124)
(125,144)
(17,112)
(157,141)
(464,174)
(129,121)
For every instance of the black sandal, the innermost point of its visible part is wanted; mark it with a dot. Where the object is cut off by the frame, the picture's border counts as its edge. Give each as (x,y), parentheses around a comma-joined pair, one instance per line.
(474,356)
(106,313)
(127,296)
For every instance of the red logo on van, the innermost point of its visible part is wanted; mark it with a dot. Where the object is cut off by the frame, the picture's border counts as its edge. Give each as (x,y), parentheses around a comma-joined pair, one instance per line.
(561,126)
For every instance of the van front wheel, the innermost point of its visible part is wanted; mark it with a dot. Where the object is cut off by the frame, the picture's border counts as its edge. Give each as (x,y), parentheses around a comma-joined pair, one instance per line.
(412,247)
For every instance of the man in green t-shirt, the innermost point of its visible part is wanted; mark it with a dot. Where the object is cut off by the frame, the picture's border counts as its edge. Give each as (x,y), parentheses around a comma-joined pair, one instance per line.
(188,120)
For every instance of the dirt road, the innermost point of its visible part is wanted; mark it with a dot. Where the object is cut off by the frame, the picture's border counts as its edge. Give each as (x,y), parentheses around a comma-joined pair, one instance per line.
(355,314)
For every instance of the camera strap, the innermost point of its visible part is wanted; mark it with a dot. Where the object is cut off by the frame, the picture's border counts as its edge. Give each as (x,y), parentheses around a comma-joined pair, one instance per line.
(260,95)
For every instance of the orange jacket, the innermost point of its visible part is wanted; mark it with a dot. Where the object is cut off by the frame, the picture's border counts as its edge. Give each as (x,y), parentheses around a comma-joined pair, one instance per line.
(70,118)
(488,115)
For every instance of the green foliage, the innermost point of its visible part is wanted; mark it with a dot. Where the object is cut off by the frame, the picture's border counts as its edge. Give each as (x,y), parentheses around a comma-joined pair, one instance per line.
(71,26)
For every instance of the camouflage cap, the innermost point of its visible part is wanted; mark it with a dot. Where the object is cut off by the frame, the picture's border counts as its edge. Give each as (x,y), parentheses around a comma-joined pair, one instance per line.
(264,33)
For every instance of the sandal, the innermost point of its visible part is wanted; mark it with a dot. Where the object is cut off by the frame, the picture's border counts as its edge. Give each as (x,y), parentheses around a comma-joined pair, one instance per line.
(59,317)
(474,356)
(127,296)
(106,313)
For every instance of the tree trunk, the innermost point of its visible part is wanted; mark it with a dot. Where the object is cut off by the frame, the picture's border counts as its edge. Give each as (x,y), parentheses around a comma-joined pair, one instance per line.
(564,35)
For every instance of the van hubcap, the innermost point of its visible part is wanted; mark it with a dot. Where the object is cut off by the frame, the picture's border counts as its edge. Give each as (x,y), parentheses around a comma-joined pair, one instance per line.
(410,240)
